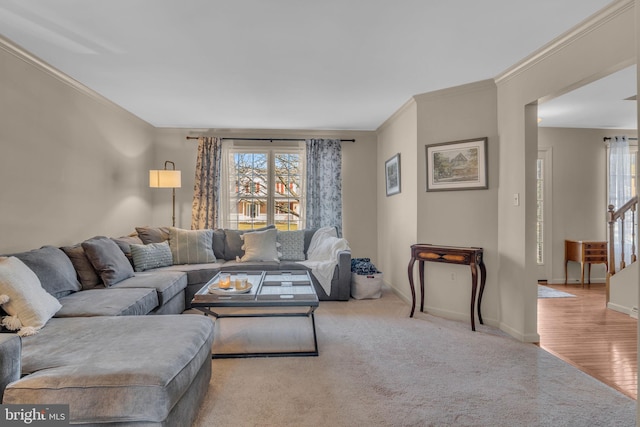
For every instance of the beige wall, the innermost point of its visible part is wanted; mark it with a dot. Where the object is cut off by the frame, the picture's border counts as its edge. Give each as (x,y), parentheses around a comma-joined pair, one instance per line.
(589,52)
(398,214)
(358,179)
(72,164)
(459,218)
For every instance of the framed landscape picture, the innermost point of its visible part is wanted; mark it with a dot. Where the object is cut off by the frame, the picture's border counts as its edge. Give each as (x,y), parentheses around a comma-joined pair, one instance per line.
(392,175)
(457,165)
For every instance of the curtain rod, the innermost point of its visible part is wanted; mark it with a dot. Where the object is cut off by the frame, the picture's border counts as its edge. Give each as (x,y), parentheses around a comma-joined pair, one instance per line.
(268,139)
(608,138)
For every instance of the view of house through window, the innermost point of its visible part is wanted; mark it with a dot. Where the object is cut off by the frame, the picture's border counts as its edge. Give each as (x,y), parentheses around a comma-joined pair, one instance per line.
(265,187)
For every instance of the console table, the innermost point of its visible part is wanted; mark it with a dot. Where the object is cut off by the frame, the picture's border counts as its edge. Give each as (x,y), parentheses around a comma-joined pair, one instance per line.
(450,255)
(584,252)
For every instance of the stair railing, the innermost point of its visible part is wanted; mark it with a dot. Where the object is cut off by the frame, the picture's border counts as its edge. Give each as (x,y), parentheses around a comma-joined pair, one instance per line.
(619,216)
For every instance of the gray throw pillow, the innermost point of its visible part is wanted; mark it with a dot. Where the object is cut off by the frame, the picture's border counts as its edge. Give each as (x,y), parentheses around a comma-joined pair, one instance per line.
(108,260)
(218,243)
(125,242)
(233,243)
(191,246)
(153,255)
(53,268)
(291,245)
(87,275)
(153,234)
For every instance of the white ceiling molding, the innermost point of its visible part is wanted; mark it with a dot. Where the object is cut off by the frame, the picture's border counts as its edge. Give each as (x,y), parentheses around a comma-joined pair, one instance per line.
(46,68)
(590,24)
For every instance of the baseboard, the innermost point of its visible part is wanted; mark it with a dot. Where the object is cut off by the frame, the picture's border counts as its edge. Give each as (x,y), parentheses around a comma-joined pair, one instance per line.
(518,335)
(620,308)
(576,281)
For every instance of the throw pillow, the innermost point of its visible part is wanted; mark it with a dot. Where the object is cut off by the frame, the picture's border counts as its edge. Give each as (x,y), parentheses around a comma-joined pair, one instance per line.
(218,243)
(125,242)
(260,246)
(22,296)
(87,275)
(292,245)
(108,260)
(53,268)
(191,246)
(153,234)
(233,242)
(153,255)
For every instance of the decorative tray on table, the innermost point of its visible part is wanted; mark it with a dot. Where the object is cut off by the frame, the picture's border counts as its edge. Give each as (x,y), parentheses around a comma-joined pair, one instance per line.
(214,289)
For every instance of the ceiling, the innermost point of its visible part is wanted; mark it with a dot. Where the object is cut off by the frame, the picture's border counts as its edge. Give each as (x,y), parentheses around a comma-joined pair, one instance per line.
(608,103)
(283,64)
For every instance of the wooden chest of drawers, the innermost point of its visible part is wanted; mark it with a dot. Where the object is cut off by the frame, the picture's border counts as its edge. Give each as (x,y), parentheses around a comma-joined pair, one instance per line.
(585,252)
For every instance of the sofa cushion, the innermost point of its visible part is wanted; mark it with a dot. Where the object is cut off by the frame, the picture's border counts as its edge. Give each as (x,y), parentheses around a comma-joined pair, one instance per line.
(260,246)
(191,246)
(153,255)
(166,284)
(152,234)
(109,302)
(28,304)
(54,269)
(87,275)
(108,259)
(233,243)
(291,245)
(114,369)
(218,243)
(196,273)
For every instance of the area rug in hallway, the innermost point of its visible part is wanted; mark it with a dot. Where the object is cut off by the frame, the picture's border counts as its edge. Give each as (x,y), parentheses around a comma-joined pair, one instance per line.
(378,367)
(547,292)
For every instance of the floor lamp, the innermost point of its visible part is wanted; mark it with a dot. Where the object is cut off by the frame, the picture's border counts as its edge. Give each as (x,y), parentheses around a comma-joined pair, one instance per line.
(167,178)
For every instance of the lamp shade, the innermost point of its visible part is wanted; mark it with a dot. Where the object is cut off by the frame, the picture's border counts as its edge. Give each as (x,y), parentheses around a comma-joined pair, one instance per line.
(165,179)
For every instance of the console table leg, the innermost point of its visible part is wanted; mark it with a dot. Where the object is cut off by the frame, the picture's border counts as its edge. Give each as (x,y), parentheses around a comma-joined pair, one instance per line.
(483,280)
(474,287)
(421,273)
(411,285)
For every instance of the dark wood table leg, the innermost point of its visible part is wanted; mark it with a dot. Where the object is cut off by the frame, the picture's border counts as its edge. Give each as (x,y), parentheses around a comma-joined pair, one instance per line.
(474,288)
(411,285)
(483,280)
(421,272)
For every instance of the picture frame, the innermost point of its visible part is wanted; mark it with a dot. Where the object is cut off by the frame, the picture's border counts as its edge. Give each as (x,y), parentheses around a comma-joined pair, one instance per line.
(457,165)
(392,175)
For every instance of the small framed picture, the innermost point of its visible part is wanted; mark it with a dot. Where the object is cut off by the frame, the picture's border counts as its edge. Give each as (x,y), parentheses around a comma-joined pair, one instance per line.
(392,175)
(457,165)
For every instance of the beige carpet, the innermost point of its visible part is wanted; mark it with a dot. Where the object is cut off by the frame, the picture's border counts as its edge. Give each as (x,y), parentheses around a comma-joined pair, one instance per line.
(378,367)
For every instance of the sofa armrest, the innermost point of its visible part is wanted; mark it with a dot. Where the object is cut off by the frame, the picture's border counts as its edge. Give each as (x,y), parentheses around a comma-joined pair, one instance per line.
(10,355)
(344,275)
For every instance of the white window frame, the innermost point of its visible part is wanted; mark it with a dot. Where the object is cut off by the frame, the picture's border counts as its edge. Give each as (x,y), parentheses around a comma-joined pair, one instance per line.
(230,146)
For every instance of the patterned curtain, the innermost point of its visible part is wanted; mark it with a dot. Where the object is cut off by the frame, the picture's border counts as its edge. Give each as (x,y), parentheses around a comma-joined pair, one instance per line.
(206,191)
(324,184)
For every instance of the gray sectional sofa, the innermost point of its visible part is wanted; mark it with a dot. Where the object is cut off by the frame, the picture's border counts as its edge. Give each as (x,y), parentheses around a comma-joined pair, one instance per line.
(102,354)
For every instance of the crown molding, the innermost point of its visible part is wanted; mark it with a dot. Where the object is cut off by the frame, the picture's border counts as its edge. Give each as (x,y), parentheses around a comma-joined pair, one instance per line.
(590,24)
(23,55)
(410,102)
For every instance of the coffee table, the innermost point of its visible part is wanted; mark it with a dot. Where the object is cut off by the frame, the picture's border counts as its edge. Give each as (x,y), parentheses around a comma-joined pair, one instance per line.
(272,294)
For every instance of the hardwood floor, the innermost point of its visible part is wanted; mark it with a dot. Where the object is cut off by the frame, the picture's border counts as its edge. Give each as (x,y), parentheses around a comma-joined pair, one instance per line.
(583,332)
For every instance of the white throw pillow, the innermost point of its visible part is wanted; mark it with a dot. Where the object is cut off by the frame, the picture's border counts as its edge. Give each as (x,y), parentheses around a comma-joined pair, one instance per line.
(260,246)
(29,306)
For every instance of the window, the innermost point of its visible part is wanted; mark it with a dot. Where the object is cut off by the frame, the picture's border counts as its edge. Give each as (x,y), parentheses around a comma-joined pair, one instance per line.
(540,211)
(265,186)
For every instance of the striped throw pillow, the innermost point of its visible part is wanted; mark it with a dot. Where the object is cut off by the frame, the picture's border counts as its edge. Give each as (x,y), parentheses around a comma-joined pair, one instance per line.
(191,246)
